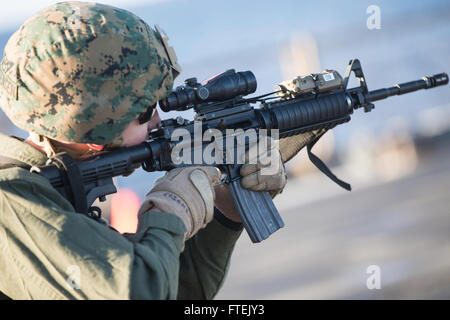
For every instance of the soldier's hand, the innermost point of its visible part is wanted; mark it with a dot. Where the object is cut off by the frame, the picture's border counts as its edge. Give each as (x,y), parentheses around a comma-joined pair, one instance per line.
(186,192)
(263,170)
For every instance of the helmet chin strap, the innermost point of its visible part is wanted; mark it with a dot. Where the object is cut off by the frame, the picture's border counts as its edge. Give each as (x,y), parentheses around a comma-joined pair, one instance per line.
(43,143)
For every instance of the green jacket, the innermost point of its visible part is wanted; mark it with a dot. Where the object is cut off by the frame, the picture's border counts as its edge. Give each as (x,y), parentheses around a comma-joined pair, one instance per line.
(47,251)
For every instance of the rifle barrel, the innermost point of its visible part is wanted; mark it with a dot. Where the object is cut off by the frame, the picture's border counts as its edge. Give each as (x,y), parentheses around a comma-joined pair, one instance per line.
(398,89)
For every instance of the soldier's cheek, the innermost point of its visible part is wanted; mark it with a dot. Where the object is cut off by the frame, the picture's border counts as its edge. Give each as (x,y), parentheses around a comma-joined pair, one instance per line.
(134,134)
(154,121)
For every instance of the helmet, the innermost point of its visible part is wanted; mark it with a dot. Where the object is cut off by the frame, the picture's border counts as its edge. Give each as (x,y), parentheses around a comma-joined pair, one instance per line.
(81,72)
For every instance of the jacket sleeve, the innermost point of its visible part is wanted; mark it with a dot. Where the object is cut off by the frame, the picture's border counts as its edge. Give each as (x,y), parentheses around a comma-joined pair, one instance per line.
(205,261)
(47,251)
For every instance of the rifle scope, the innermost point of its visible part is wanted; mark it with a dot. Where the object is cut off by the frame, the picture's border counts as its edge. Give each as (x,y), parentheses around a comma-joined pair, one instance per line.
(224,86)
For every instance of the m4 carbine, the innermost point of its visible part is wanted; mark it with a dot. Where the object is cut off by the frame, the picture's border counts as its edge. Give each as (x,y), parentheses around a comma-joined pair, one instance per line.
(317,101)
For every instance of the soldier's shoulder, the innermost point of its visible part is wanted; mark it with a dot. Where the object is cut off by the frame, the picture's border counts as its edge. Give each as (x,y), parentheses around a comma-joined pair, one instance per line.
(15,175)
(18,185)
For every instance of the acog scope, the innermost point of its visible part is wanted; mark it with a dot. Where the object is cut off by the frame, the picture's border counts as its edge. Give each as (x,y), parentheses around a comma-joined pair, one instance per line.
(224,86)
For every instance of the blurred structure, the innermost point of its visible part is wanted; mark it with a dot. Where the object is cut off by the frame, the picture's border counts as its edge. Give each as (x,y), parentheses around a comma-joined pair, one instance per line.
(389,156)
(301,165)
(300,57)
(395,153)
(124,208)
(434,121)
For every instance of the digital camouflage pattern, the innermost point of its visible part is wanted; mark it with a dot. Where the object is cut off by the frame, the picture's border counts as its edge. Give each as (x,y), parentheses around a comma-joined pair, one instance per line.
(80,72)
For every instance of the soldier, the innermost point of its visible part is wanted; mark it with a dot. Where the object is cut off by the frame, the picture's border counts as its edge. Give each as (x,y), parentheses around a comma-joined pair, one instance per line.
(80,78)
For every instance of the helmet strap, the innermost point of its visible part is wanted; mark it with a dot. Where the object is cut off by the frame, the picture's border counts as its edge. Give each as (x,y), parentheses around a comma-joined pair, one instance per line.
(43,142)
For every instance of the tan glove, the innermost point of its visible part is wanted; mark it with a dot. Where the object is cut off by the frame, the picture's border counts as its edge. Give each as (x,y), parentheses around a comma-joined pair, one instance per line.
(263,169)
(290,146)
(186,192)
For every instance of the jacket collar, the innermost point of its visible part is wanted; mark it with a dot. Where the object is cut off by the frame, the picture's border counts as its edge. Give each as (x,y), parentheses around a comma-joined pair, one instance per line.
(15,148)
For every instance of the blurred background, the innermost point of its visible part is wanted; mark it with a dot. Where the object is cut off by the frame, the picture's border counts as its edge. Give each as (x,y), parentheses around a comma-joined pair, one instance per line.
(397,218)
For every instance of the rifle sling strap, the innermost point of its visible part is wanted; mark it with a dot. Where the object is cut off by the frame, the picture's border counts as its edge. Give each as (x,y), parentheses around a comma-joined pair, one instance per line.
(73,180)
(323,167)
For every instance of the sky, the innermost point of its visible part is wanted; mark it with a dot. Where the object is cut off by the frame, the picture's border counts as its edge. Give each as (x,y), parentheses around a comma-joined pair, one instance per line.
(16,12)
(212,36)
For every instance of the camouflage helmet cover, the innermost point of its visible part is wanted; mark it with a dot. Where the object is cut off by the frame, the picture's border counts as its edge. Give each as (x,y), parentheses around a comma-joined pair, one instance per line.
(81,72)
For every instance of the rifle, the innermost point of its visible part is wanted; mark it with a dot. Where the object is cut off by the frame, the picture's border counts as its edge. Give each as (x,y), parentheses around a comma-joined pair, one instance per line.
(316,101)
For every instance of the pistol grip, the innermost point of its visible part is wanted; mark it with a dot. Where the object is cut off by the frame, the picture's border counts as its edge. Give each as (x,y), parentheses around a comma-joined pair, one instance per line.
(257,211)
